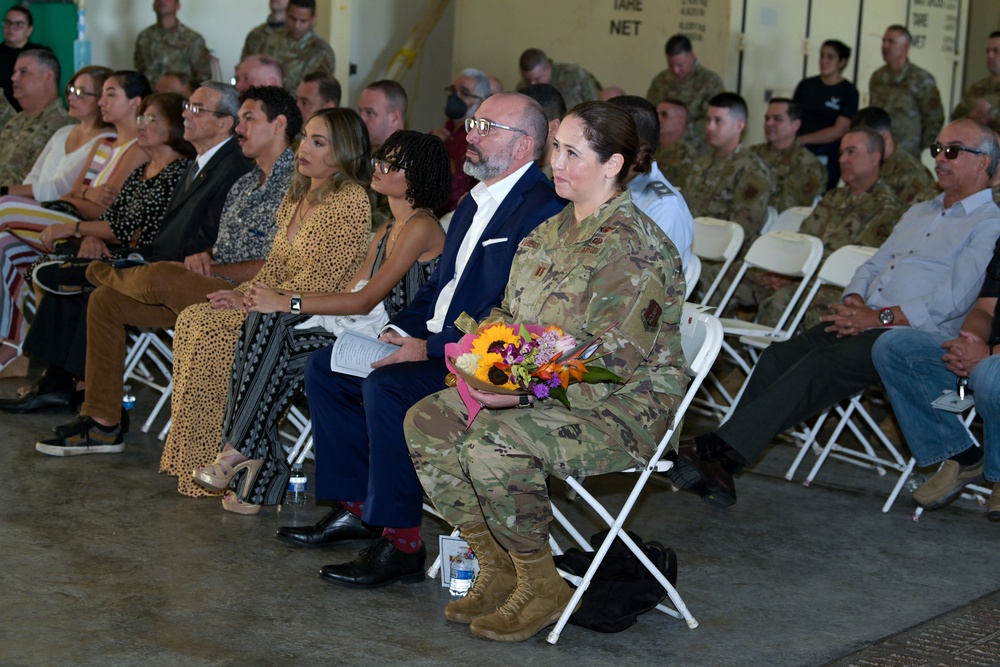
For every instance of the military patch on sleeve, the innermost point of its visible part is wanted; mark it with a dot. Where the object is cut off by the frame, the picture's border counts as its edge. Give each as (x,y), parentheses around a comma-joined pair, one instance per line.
(530,243)
(651,315)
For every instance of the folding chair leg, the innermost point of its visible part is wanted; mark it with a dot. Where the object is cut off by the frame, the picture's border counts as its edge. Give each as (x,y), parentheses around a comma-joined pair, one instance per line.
(907,471)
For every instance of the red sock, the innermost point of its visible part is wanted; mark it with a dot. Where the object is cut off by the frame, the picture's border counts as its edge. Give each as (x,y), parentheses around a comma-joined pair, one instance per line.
(406,540)
(355,507)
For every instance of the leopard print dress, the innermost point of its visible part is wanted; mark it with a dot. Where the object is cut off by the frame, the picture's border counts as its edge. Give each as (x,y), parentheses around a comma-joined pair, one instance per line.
(327,251)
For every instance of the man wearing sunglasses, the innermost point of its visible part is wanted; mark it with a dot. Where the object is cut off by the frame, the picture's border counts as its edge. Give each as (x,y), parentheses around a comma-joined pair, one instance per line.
(925,277)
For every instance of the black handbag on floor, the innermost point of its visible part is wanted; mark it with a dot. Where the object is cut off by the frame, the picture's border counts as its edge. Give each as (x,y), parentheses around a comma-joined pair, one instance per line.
(622,588)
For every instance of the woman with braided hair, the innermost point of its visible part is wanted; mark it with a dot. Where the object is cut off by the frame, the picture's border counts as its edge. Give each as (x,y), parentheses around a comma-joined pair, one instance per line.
(412,170)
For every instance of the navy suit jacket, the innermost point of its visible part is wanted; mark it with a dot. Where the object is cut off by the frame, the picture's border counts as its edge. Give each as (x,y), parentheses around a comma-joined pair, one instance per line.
(191,221)
(530,202)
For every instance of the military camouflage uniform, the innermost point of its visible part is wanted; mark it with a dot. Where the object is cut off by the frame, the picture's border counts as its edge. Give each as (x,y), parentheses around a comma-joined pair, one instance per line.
(798,175)
(24,137)
(987,89)
(178,49)
(257,37)
(614,267)
(677,161)
(6,111)
(841,218)
(299,57)
(912,100)
(573,82)
(906,176)
(694,91)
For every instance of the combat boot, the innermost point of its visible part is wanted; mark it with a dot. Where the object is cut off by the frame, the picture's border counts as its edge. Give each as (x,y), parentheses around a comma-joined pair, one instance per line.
(536,603)
(494,583)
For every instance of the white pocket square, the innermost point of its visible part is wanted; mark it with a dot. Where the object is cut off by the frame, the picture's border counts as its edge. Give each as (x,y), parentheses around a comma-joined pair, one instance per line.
(492,241)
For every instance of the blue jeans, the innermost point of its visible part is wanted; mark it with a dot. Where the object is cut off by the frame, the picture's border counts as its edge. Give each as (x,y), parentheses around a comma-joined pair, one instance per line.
(913,374)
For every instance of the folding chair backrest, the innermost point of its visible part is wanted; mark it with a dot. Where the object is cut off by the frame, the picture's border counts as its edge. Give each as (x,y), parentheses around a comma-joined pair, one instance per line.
(692,272)
(790,220)
(785,253)
(837,271)
(701,339)
(716,240)
(769,219)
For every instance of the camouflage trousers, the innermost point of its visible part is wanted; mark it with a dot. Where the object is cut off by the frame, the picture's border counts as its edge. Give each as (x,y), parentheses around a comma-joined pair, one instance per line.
(497,469)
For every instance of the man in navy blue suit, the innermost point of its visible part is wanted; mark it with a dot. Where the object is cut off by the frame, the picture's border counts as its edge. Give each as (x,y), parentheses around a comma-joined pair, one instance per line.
(361,456)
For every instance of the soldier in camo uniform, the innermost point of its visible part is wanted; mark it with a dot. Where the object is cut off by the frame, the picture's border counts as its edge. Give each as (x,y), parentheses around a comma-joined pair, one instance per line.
(170,46)
(908,93)
(905,175)
(573,82)
(686,80)
(36,79)
(256,38)
(552,103)
(299,50)
(798,174)
(677,154)
(861,212)
(599,263)
(981,101)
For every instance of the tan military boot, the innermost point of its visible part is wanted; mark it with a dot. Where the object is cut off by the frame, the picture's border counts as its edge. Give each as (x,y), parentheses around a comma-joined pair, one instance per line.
(536,603)
(494,583)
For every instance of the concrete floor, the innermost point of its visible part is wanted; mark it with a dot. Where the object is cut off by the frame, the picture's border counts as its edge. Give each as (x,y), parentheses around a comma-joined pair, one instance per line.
(103,563)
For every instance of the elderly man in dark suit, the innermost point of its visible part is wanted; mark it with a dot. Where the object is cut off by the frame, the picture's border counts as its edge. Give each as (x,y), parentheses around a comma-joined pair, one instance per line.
(190,224)
(361,456)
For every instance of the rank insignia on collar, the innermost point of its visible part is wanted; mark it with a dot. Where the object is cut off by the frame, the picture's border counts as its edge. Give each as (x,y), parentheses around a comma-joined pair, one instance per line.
(651,316)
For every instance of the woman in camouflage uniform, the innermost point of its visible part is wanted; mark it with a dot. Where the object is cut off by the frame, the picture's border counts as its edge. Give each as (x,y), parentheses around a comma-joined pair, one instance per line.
(598,265)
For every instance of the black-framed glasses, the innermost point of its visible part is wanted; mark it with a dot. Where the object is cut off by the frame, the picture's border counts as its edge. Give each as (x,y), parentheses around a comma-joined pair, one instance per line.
(80,92)
(452,90)
(951,151)
(385,166)
(483,126)
(196,109)
(17,25)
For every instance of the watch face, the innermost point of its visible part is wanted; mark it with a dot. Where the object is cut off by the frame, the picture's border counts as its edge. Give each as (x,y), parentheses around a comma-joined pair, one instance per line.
(885,316)
(296,305)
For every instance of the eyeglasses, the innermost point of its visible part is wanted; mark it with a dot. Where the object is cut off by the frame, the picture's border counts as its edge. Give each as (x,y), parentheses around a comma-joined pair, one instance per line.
(452,90)
(484,126)
(146,120)
(196,109)
(951,151)
(80,92)
(385,166)
(17,25)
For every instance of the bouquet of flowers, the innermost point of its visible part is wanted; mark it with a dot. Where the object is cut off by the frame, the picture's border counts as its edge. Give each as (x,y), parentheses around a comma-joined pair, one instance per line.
(523,359)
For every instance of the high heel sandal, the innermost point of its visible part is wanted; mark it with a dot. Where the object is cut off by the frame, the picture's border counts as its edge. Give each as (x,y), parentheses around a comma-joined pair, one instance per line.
(218,475)
(231,499)
(16,366)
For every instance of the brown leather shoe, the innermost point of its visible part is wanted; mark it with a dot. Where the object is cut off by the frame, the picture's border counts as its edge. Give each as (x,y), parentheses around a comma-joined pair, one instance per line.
(706,477)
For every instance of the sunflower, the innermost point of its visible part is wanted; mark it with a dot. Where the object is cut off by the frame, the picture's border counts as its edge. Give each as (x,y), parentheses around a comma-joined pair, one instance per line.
(488,344)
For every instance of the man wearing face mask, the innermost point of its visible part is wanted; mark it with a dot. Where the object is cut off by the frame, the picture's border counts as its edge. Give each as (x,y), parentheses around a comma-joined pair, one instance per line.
(465,94)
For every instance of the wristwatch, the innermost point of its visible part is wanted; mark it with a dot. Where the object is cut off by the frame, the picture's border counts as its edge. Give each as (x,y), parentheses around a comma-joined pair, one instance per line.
(295,306)
(524,401)
(886,317)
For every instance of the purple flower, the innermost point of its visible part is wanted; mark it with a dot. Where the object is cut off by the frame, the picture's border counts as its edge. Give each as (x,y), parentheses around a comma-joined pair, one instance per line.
(540,390)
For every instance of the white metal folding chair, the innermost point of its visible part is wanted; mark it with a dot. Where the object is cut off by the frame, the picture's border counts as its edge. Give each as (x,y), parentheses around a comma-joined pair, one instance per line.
(716,241)
(150,349)
(785,253)
(790,220)
(972,492)
(701,337)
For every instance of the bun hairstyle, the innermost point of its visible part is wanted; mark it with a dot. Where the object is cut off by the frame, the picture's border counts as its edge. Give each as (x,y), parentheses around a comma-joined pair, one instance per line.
(610,129)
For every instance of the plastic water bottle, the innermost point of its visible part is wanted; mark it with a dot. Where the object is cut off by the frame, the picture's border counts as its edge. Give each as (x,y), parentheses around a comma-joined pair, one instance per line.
(128,398)
(295,495)
(461,577)
(914,482)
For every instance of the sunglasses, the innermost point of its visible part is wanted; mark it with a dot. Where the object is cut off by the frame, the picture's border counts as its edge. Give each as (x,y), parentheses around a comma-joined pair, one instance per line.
(951,151)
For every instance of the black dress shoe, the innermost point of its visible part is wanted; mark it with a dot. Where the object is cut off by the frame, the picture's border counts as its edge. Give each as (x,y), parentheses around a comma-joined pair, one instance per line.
(378,565)
(706,477)
(337,527)
(69,428)
(34,401)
